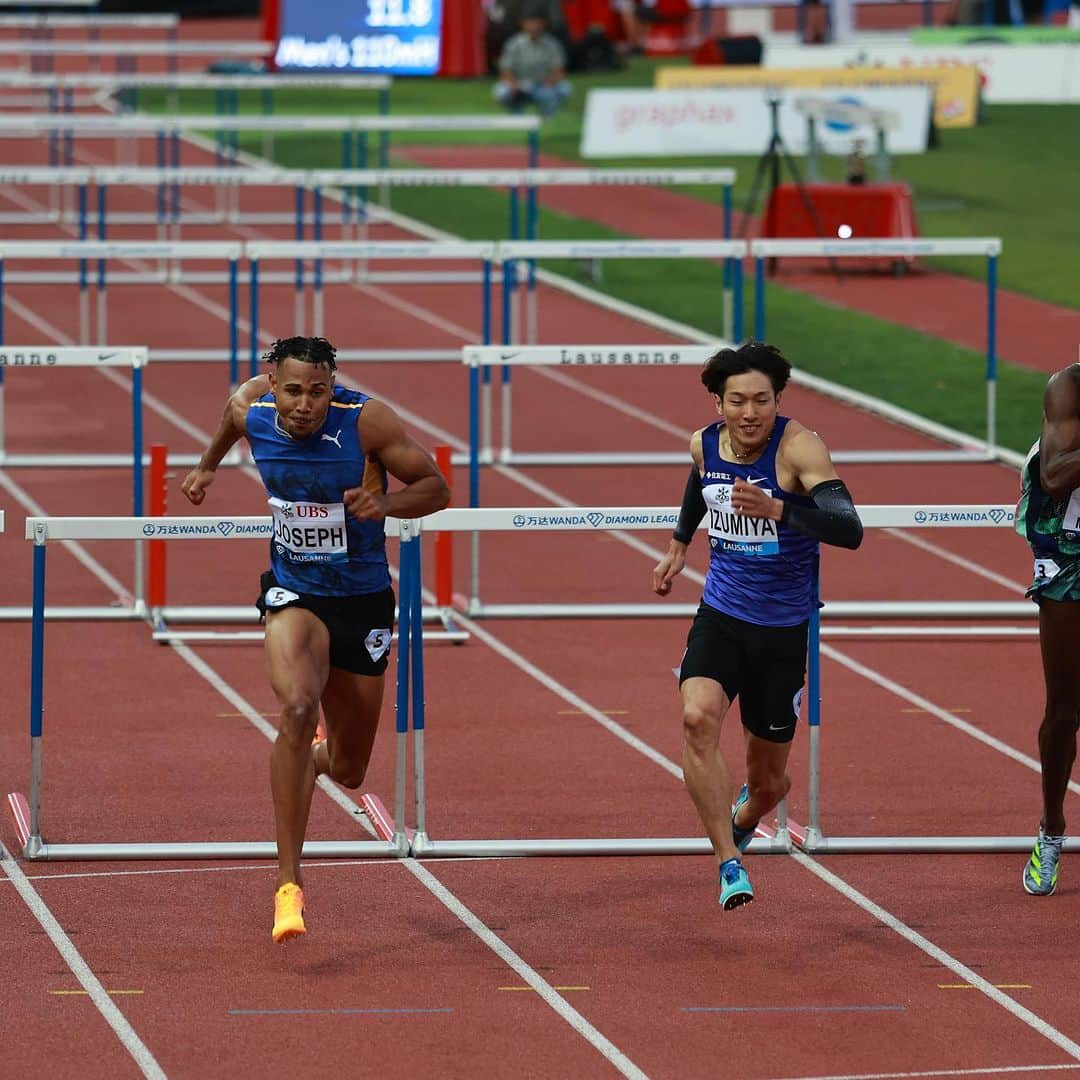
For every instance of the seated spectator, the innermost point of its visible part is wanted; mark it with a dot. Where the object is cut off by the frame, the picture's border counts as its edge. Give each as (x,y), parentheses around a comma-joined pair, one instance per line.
(504,21)
(532,67)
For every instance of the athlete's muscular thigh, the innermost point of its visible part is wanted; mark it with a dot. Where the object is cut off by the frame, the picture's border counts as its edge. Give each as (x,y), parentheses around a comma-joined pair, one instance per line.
(351,707)
(297,660)
(1059,635)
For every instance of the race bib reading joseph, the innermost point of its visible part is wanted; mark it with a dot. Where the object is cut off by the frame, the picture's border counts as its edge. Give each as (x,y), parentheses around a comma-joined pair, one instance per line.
(307,532)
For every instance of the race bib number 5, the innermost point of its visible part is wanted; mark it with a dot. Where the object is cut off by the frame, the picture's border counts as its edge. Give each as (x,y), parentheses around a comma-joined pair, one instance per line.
(310,532)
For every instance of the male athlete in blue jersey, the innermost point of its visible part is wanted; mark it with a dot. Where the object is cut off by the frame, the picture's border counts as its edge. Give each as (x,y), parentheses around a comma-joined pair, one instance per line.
(1048,517)
(323,453)
(771,494)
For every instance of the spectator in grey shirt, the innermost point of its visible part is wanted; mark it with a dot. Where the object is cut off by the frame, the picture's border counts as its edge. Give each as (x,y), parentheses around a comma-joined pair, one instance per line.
(532,67)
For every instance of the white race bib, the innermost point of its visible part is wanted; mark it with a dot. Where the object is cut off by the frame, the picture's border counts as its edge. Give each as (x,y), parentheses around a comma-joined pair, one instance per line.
(1045,570)
(1071,523)
(310,532)
(731,531)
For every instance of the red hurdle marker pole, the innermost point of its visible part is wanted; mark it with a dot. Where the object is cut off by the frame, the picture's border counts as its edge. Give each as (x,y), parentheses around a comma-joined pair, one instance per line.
(444,542)
(159,497)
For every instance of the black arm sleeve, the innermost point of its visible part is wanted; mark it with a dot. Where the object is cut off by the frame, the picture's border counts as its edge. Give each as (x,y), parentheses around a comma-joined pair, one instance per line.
(692,510)
(832,519)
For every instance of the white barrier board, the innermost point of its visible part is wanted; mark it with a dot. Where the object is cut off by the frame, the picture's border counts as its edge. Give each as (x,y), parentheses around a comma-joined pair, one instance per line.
(737,121)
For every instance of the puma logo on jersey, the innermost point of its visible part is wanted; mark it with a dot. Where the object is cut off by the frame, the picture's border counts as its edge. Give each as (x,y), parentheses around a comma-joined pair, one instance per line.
(335,438)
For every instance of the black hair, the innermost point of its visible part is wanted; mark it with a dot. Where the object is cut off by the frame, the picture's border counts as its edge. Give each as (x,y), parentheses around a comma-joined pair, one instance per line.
(311,350)
(750,356)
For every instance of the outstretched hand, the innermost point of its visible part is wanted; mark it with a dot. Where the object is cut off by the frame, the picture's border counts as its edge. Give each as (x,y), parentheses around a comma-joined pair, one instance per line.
(365,505)
(667,570)
(195,484)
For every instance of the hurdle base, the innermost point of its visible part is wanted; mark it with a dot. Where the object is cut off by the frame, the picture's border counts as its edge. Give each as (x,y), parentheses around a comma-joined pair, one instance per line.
(426,848)
(313,849)
(587,457)
(871,845)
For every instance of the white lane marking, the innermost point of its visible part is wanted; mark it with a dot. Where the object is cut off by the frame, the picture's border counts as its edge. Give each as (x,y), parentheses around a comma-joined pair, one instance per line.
(559,1004)
(80,969)
(934,710)
(957,560)
(1024,1015)
(569,696)
(34,509)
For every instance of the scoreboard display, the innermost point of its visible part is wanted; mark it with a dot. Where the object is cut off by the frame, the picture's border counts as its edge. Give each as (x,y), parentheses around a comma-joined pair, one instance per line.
(395,37)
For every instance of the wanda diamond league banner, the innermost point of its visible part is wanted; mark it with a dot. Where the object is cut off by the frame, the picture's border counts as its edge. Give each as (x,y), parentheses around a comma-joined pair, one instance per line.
(394,37)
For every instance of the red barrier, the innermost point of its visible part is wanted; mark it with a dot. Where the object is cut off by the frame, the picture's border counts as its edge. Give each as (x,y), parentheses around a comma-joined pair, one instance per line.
(159,498)
(444,542)
(868,210)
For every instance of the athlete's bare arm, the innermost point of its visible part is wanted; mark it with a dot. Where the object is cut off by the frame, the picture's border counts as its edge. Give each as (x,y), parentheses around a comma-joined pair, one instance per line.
(804,467)
(384,437)
(1059,447)
(232,428)
(671,565)
(802,462)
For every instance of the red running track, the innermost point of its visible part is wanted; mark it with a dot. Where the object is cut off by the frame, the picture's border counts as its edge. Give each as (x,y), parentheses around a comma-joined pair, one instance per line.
(531,967)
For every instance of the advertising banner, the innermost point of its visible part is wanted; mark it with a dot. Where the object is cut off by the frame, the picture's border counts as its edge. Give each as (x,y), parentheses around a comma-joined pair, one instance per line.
(397,37)
(663,123)
(1011,74)
(956,88)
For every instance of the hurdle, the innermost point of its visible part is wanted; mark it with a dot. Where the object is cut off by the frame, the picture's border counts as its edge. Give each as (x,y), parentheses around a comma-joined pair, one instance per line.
(511,354)
(788,835)
(871,248)
(353,129)
(394,839)
(35,357)
(668,356)
(41,54)
(48,21)
(83,251)
(42,357)
(316,252)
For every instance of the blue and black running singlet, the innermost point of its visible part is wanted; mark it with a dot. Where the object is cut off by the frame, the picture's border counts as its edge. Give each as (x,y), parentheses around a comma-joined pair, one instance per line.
(317,546)
(759,571)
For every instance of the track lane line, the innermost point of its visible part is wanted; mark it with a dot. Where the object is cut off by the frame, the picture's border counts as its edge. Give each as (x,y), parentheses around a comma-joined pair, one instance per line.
(71,956)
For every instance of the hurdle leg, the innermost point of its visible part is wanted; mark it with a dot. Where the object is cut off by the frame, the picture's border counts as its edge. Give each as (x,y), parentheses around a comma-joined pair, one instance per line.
(416,622)
(813,708)
(138,595)
(401,839)
(37,687)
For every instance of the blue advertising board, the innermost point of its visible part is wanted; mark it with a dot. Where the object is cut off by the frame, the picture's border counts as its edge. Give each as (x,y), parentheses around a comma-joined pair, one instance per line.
(393,36)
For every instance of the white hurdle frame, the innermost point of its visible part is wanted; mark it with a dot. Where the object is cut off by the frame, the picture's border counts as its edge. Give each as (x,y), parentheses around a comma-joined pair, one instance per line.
(27,814)
(585,519)
(512,253)
(84,251)
(38,357)
(483,252)
(887,247)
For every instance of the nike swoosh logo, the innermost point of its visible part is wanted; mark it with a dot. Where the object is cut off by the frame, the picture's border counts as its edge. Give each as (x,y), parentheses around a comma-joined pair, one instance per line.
(507,356)
(102,357)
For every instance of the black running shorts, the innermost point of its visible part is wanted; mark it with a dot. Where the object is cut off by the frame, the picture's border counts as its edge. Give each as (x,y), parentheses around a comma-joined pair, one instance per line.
(763,666)
(360,627)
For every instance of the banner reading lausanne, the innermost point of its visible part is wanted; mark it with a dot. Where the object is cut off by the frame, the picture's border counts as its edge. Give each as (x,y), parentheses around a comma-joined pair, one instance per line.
(392,36)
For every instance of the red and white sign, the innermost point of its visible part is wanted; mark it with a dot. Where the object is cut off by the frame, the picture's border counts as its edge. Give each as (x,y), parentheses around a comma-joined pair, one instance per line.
(665,123)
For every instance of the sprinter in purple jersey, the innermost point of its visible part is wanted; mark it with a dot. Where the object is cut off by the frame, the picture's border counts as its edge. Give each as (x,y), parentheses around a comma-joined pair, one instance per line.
(769,492)
(323,453)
